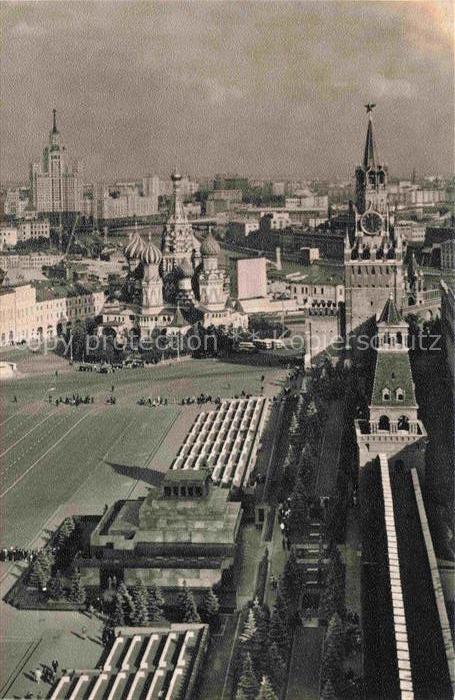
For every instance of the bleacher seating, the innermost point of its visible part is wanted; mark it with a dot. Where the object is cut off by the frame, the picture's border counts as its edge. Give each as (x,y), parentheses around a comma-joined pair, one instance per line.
(153,663)
(226,440)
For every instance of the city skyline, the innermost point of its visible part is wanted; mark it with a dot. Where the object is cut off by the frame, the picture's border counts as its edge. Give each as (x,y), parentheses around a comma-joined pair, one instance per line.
(235,87)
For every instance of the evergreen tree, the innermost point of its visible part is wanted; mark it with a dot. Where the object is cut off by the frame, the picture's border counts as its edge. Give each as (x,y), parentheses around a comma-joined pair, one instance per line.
(291,575)
(248,682)
(276,666)
(38,576)
(249,628)
(187,606)
(210,607)
(46,559)
(240,695)
(278,631)
(155,604)
(118,613)
(331,664)
(335,582)
(298,514)
(266,691)
(328,692)
(78,593)
(65,531)
(55,587)
(335,634)
(127,602)
(139,596)
(327,605)
(259,645)
(294,426)
(283,601)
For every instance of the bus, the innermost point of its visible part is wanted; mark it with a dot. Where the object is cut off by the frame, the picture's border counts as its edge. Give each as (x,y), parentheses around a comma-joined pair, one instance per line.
(270,344)
(246,346)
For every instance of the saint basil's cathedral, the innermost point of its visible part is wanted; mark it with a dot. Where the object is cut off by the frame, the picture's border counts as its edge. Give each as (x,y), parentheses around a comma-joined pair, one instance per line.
(176,286)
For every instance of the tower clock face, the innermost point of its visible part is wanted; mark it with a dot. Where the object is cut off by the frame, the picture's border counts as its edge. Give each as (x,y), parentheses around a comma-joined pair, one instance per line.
(371,222)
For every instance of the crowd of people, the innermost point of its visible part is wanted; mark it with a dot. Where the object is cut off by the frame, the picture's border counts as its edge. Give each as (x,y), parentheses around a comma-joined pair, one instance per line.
(159,401)
(47,672)
(74,400)
(17,554)
(284,512)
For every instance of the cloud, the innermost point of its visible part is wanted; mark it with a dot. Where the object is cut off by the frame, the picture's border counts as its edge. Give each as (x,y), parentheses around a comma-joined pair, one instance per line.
(269,87)
(26,29)
(381,86)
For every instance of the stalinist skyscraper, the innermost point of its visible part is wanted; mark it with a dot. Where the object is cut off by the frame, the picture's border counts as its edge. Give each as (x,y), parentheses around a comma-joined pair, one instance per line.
(55,186)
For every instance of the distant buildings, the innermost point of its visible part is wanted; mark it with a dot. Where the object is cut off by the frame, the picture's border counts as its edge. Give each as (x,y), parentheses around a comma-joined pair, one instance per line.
(32,229)
(24,230)
(411,231)
(8,236)
(32,261)
(222,200)
(16,202)
(56,188)
(448,255)
(28,312)
(123,203)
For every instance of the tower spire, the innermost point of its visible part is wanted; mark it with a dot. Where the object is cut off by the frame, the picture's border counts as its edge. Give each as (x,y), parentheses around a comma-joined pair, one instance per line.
(54,121)
(370,156)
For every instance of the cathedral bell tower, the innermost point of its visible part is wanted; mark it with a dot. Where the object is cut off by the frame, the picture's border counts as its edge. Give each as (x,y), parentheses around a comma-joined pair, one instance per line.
(374,260)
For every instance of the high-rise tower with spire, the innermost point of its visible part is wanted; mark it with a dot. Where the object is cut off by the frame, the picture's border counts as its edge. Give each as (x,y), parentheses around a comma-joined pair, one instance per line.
(56,188)
(374,259)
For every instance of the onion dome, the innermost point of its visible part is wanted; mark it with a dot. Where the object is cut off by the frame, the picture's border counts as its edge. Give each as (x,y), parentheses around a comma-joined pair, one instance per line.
(150,254)
(210,246)
(134,248)
(185,269)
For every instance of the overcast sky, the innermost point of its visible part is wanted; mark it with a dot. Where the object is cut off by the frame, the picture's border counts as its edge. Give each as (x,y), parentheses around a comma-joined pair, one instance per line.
(262,88)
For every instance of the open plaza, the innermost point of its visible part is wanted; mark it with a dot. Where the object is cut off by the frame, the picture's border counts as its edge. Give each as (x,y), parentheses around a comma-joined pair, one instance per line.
(59,461)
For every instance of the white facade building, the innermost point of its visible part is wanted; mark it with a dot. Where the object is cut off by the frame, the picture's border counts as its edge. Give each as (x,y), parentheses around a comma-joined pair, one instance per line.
(31,229)
(16,202)
(24,317)
(411,231)
(8,237)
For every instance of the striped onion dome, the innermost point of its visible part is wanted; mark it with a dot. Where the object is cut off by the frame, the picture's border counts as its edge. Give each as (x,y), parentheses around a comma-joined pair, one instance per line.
(134,247)
(150,254)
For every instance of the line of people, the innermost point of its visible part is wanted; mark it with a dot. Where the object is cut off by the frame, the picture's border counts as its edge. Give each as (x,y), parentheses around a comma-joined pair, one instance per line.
(284,511)
(17,554)
(74,400)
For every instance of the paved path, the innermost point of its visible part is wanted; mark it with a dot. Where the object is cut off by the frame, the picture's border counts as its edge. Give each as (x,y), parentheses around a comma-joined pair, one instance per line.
(277,559)
(325,484)
(303,683)
(352,552)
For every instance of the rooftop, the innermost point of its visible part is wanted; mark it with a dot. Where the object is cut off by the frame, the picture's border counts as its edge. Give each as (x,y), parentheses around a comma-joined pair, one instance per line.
(390,313)
(393,370)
